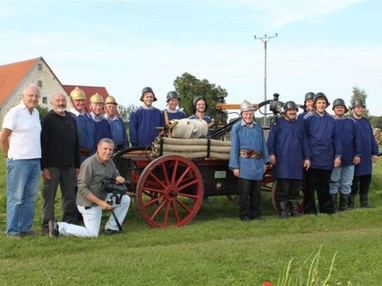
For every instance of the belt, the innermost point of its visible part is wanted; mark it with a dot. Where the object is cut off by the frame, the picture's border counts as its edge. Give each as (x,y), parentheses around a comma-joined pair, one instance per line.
(85,152)
(252,154)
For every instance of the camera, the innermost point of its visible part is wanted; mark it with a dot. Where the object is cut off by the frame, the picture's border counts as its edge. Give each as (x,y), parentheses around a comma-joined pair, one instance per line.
(110,185)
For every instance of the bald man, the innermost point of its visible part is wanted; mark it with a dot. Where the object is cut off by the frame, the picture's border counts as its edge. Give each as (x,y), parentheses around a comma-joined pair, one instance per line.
(60,161)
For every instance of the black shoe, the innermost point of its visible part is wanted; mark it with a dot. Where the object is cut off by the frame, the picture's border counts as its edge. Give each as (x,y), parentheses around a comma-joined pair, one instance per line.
(112,231)
(28,233)
(260,218)
(53,229)
(367,206)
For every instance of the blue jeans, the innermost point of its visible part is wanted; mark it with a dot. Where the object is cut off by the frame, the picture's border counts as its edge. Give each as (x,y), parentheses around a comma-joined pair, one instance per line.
(22,187)
(341,178)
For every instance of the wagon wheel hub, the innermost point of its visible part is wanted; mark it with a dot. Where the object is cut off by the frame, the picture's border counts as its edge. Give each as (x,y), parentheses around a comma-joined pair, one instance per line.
(172,193)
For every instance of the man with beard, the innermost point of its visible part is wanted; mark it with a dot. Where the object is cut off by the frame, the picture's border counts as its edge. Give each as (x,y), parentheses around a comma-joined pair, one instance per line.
(288,150)
(60,161)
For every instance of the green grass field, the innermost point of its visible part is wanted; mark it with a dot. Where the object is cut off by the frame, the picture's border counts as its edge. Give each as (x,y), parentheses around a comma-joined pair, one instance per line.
(216,248)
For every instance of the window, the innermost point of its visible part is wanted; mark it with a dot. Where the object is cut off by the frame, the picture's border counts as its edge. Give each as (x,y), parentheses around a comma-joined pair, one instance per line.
(39,67)
(44,100)
(39,83)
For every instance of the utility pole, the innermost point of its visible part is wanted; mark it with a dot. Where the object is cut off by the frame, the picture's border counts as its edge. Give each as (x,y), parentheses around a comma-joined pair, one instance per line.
(265,40)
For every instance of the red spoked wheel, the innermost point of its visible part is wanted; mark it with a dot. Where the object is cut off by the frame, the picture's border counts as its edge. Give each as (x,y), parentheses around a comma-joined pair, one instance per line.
(276,204)
(169,191)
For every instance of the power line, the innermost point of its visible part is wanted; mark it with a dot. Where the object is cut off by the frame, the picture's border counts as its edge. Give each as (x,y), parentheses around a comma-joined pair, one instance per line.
(163,15)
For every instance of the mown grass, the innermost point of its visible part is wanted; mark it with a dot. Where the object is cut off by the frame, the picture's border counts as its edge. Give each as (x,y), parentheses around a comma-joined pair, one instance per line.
(214,249)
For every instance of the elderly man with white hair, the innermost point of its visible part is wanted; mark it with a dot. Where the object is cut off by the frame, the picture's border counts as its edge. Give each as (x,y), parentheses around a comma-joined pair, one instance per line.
(20,142)
(248,159)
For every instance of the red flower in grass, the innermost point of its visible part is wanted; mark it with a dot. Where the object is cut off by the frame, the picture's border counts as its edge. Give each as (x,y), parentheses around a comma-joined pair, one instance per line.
(267,283)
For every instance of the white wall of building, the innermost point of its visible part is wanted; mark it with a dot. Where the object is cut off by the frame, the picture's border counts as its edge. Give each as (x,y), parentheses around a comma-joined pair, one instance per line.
(41,76)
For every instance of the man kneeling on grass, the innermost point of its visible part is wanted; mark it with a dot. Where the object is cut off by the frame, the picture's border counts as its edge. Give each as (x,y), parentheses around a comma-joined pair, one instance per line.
(91,199)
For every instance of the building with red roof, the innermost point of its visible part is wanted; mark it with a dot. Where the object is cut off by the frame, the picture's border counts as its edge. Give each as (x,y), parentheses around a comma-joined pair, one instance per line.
(14,77)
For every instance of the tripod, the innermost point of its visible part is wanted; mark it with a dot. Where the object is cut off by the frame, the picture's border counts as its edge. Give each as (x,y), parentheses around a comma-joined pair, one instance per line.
(110,202)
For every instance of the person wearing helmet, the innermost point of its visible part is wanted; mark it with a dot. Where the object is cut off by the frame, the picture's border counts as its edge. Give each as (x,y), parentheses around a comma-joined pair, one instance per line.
(248,159)
(145,119)
(308,105)
(342,176)
(172,112)
(101,125)
(200,107)
(85,125)
(363,171)
(288,149)
(117,126)
(325,154)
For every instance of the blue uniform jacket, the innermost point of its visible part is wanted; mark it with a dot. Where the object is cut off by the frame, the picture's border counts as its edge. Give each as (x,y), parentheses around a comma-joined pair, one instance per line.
(177,114)
(369,147)
(287,141)
(118,132)
(324,142)
(101,130)
(206,118)
(85,129)
(350,139)
(244,137)
(142,125)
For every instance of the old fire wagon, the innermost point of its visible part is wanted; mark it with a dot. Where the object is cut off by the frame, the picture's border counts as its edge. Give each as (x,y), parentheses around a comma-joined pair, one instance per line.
(170,178)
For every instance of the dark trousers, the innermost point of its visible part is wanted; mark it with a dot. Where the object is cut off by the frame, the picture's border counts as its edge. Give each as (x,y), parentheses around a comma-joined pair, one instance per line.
(317,180)
(63,176)
(288,189)
(361,184)
(249,198)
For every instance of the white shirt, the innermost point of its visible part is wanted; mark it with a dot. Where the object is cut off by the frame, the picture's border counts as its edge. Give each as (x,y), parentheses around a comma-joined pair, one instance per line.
(24,141)
(75,112)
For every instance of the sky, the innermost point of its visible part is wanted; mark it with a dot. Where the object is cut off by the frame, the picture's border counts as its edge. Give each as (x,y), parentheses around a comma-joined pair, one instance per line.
(321,46)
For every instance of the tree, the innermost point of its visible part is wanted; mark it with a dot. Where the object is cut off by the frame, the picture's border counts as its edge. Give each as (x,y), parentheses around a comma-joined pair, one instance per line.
(42,110)
(124,112)
(376,121)
(359,93)
(188,86)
